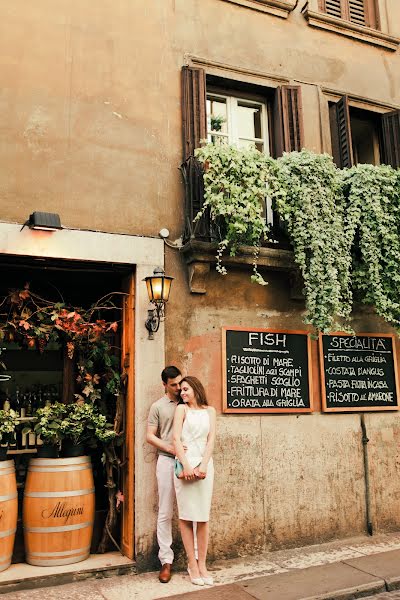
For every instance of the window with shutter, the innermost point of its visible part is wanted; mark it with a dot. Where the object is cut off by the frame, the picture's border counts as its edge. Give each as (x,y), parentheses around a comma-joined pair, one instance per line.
(391,138)
(364,136)
(359,12)
(341,133)
(193,109)
(233,113)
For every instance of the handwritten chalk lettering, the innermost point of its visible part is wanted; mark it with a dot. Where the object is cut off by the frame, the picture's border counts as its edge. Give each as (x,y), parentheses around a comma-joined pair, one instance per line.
(282,362)
(250,390)
(248,369)
(343,397)
(290,403)
(337,383)
(245,360)
(358,384)
(285,381)
(291,392)
(338,358)
(377,384)
(380,397)
(375,359)
(368,381)
(250,379)
(374,371)
(349,371)
(356,343)
(290,372)
(267,339)
(251,403)
(266,370)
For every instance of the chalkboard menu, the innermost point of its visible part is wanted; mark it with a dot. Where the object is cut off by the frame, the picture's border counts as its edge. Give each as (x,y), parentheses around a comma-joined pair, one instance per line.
(266,371)
(358,372)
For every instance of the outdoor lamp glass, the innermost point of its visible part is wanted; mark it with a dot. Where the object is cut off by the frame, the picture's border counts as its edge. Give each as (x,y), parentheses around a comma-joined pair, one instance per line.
(158,289)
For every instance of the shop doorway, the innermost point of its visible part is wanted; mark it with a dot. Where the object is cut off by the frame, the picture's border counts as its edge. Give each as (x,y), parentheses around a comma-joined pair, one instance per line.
(43,377)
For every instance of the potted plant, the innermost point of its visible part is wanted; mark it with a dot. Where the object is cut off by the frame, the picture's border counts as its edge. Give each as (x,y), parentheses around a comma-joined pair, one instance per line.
(82,425)
(8,424)
(47,424)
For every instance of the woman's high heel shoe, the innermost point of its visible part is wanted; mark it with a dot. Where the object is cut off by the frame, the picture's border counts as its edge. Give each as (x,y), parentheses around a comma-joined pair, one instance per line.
(195,580)
(208,580)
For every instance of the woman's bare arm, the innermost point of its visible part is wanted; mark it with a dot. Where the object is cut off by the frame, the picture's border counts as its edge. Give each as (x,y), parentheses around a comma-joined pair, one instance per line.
(202,468)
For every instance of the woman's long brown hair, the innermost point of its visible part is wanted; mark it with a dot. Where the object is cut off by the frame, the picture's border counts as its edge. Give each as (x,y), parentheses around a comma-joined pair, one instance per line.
(198,388)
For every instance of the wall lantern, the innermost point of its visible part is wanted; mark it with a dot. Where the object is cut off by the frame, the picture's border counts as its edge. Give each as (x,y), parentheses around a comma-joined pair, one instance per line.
(158,288)
(43,221)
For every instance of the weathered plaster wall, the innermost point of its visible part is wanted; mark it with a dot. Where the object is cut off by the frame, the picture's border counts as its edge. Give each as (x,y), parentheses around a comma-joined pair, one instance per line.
(90,98)
(90,127)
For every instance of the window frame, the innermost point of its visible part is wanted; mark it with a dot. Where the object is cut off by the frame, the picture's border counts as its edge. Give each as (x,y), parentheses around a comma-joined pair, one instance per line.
(376,35)
(341,145)
(232,99)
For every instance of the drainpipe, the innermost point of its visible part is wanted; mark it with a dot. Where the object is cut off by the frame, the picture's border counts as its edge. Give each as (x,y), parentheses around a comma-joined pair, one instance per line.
(365,441)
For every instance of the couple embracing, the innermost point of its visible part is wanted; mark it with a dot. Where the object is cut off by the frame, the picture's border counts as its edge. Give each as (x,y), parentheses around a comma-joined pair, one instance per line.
(181,426)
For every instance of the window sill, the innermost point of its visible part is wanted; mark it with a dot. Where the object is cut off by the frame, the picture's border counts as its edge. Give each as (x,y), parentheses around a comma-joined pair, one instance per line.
(279,8)
(199,257)
(358,32)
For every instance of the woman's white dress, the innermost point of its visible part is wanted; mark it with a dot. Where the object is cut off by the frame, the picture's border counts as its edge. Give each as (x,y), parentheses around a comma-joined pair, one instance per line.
(194,497)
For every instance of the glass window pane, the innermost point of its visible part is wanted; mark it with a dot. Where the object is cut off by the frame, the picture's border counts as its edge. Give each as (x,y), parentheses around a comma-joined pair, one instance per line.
(217,114)
(249,120)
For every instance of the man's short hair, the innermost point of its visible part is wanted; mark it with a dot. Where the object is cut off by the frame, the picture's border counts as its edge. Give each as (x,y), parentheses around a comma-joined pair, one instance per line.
(170,373)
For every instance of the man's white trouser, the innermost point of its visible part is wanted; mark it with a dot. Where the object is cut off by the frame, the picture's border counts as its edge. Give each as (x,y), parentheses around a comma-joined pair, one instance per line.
(166,500)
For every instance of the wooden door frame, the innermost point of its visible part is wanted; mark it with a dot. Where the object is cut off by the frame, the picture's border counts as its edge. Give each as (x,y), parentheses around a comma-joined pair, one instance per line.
(128,368)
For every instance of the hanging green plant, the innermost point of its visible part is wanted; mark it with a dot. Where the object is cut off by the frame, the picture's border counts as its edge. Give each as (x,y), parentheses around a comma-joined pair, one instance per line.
(343,225)
(311,203)
(373,225)
(236,183)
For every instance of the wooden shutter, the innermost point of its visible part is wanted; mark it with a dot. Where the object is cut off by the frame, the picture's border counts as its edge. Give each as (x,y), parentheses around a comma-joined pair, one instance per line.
(360,12)
(342,149)
(332,7)
(391,138)
(288,119)
(194,111)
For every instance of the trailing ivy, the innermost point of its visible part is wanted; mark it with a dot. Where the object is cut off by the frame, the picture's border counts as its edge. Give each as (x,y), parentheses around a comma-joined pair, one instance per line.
(344,226)
(235,184)
(373,223)
(311,203)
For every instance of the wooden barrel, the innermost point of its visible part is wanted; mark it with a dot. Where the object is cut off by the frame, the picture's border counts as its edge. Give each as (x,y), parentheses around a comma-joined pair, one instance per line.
(58,510)
(8,512)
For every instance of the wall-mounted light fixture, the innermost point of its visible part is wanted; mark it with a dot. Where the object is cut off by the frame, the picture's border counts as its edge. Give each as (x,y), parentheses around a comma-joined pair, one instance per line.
(158,288)
(43,221)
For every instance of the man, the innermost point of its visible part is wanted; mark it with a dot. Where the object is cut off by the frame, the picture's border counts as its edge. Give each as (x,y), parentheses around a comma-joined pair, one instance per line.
(159,435)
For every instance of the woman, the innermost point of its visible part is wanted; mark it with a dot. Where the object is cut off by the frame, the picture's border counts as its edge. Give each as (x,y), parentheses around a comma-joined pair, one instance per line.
(194,435)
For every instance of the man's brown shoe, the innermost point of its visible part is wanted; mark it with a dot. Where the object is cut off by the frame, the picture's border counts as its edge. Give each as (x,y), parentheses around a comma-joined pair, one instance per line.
(165,573)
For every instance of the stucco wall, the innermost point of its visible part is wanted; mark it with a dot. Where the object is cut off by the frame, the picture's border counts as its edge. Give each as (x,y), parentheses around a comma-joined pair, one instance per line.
(90,98)
(90,127)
